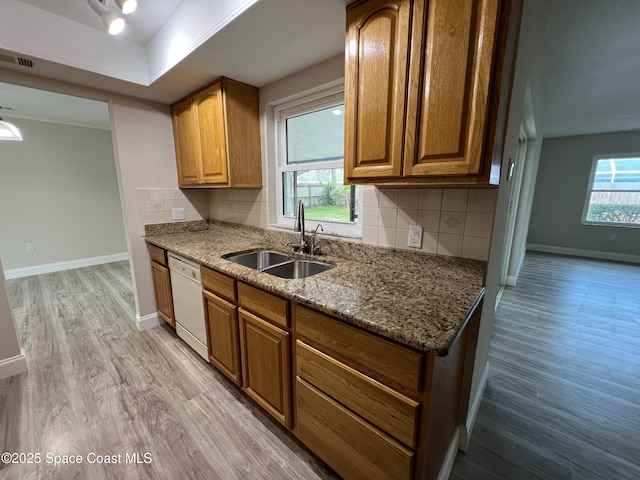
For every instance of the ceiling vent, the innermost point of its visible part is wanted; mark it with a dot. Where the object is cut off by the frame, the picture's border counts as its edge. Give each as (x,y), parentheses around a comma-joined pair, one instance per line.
(23,62)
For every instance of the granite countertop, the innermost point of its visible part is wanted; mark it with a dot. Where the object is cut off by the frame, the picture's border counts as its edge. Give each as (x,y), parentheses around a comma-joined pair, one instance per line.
(419,300)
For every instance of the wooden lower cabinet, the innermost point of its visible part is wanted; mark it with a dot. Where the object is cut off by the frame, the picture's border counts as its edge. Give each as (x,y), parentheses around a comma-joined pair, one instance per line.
(371,408)
(266,369)
(350,445)
(162,288)
(380,405)
(224,346)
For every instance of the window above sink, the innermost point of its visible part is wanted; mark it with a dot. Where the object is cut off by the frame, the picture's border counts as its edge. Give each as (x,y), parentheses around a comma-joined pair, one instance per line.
(310,164)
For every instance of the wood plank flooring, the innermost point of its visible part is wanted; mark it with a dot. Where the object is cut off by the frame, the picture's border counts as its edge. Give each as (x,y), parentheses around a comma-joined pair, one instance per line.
(563,396)
(98,385)
(562,400)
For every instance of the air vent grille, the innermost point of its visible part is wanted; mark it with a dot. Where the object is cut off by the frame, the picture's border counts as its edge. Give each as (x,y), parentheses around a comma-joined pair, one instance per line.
(23,62)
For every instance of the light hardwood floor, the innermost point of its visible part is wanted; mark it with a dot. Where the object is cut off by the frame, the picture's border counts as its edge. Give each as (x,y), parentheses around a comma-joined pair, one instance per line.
(98,385)
(562,400)
(563,396)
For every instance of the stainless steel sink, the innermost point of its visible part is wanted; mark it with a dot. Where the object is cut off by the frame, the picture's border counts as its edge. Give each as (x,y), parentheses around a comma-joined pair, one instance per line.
(259,260)
(297,268)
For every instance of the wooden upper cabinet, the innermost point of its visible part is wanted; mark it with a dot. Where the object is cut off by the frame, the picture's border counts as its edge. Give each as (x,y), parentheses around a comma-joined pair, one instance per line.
(376,65)
(449,86)
(417,97)
(217,136)
(186,140)
(209,109)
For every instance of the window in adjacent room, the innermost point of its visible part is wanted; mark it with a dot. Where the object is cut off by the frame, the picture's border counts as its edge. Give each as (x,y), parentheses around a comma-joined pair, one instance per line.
(311,166)
(613,197)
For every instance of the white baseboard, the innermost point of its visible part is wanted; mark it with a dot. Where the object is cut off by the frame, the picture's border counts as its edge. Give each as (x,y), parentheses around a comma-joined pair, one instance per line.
(450,457)
(57,267)
(13,365)
(511,280)
(576,252)
(148,321)
(498,296)
(465,430)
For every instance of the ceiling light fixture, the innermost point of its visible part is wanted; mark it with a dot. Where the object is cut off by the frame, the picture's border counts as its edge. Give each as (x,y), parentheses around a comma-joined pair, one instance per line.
(337,111)
(127,6)
(114,23)
(8,131)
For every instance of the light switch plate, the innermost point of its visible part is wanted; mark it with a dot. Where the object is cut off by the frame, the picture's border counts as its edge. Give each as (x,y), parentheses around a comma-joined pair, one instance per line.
(179,213)
(415,236)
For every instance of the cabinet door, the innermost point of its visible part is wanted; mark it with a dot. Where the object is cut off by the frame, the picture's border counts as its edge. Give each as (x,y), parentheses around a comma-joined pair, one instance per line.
(224,346)
(375,85)
(162,286)
(185,134)
(265,365)
(449,81)
(209,108)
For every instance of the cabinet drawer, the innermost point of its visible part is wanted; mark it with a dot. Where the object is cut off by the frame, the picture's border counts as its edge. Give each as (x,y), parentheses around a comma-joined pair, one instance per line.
(394,365)
(218,283)
(157,254)
(391,411)
(264,304)
(351,446)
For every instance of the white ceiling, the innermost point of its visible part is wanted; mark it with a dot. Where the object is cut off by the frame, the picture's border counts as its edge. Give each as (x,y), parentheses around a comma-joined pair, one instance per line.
(592,66)
(141,25)
(591,51)
(23,102)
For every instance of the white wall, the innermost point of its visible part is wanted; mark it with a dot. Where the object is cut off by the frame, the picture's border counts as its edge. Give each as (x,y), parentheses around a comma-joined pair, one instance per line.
(563,180)
(528,76)
(9,346)
(10,361)
(455,222)
(59,191)
(143,147)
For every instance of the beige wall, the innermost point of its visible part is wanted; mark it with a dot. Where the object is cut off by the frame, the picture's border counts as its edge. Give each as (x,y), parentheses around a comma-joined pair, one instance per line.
(144,152)
(9,346)
(455,222)
(563,180)
(59,191)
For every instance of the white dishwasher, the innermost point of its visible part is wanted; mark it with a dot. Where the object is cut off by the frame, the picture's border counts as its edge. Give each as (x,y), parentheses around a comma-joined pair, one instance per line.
(188,308)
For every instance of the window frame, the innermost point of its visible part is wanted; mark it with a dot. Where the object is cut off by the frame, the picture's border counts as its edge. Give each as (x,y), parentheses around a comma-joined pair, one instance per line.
(326,98)
(590,189)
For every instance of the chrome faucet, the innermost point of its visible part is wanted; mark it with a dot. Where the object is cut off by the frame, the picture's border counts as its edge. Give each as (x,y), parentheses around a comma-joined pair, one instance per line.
(298,226)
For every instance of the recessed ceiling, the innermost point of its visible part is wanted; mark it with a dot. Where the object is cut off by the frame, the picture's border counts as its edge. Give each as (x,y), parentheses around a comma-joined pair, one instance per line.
(254,41)
(140,27)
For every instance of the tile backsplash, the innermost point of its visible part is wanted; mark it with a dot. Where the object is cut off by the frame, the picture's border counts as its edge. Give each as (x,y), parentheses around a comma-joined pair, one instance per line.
(455,221)
(155,205)
(243,206)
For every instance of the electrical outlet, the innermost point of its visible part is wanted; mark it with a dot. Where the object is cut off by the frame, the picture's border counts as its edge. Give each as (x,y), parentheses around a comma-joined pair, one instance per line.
(612,236)
(179,213)
(29,247)
(415,236)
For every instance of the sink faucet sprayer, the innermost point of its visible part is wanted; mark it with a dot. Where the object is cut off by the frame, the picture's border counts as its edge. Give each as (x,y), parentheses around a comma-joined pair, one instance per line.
(298,226)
